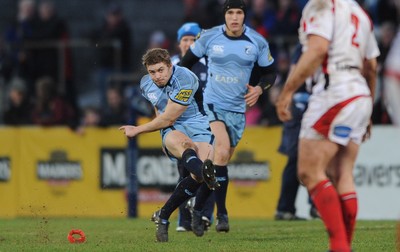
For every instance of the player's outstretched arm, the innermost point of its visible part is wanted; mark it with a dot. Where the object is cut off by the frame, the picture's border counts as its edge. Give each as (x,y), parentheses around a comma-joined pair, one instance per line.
(172,112)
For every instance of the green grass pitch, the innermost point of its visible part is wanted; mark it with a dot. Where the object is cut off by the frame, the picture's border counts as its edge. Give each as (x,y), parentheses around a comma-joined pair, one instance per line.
(119,234)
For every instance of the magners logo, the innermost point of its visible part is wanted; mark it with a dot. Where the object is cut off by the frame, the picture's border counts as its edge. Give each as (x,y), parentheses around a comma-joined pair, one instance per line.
(59,168)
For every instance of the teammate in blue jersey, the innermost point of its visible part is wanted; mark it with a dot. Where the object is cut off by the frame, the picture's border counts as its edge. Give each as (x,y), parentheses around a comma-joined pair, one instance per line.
(186,35)
(232,50)
(183,126)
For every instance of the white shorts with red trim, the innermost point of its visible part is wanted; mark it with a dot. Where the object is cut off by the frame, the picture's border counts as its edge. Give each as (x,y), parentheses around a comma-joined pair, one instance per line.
(337,120)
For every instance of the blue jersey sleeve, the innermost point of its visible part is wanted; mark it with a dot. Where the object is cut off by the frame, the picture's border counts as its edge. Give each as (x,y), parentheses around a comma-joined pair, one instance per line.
(265,57)
(264,54)
(185,85)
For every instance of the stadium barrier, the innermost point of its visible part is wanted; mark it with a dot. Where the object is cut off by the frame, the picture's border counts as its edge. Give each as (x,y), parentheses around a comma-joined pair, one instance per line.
(55,172)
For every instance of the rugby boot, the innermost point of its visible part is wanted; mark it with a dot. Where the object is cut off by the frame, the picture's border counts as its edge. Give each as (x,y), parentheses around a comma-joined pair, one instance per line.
(197,223)
(161,227)
(209,175)
(222,223)
(206,223)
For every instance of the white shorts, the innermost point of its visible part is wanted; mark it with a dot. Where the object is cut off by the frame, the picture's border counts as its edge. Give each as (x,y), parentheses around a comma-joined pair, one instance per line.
(337,120)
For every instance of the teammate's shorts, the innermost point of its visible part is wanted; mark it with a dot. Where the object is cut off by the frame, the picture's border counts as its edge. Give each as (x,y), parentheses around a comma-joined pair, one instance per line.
(338,121)
(235,122)
(197,132)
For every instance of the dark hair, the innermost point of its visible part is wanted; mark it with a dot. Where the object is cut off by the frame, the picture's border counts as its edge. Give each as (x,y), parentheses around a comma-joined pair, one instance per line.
(156,55)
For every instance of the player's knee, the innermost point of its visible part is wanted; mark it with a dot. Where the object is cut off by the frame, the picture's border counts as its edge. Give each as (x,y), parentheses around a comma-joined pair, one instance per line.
(187,144)
(333,176)
(303,177)
(222,154)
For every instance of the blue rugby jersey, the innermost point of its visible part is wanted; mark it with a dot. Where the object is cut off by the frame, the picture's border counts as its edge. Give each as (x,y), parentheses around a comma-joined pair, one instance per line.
(181,89)
(230,62)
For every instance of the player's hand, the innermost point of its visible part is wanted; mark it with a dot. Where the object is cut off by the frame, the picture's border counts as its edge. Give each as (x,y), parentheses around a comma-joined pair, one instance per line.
(129,130)
(252,95)
(367,134)
(283,107)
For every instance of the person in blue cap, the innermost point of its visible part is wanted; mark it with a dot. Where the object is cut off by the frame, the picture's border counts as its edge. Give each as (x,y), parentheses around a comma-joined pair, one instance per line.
(186,35)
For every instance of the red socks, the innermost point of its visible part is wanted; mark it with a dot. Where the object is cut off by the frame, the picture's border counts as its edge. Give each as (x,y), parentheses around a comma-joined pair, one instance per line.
(327,201)
(349,209)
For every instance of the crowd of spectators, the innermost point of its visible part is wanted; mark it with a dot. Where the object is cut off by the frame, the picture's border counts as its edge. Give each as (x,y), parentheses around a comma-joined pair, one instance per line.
(39,87)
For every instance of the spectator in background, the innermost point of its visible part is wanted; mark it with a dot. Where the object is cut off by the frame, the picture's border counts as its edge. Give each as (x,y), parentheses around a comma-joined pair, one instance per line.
(193,12)
(49,108)
(261,16)
(51,30)
(206,13)
(90,118)
(387,12)
(6,65)
(116,111)
(287,19)
(16,35)
(18,109)
(114,46)
(158,39)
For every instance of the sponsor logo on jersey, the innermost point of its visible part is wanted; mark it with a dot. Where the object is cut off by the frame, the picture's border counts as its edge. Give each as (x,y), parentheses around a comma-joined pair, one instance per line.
(184,95)
(342,131)
(248,50)
(152,97)
(270,56)
(226,79)
(218,49)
